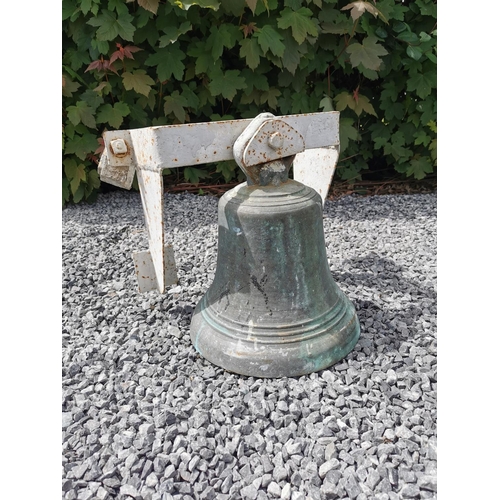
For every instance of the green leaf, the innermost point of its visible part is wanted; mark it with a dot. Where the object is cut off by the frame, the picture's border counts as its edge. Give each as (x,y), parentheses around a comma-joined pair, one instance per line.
(168,62)
(397,12)
(79,193)
(69,86)
(326,104)
(117,5)
(399,27)
(138,116)
(192,100)
(76,59)
(366,53)
(365,105)
(351,172)
(234,7)
(292,55)
(204,60)
(390,91)
(113,114)
(368,73)
(301,103)
(408,37)
(81,145)
(65,191)
(250,97)
(393,110)
(419,167)
(141,19)
(193,175)
(422,83)
(75,174)
(70,167)
(421,138)
(428,109)
(138,81)
(380,134)
(226,84)
(227,169)
(99,47)
(172,33)
(85,6)
(414,52)
(92,98)
(93,180)
(433,150)
(300,23)
(254,81)
(270,39)
(396,147)
(175,103)
(424,37)
(427,7)
(380,142)
(347,132)
(222,36)
(271,97)
(81,113)
(111,27)
(251,51)
(266,6)
(345,99)
(68,9)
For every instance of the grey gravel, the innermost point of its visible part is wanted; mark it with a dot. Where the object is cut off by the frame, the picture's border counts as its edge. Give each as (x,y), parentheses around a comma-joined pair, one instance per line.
(145,417)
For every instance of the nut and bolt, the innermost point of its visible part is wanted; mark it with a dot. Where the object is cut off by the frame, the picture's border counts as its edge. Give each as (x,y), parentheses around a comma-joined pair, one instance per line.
(276,141)
(118,147)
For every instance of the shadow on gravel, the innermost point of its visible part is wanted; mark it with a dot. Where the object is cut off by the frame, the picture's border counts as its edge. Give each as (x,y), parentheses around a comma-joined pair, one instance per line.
(391,305)
(379,207)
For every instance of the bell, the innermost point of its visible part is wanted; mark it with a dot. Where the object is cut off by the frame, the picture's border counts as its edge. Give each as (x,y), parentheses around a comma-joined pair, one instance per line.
(273,308)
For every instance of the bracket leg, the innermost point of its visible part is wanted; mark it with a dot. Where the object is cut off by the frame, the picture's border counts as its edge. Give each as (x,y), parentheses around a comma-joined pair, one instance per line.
(154,268)
(315,168)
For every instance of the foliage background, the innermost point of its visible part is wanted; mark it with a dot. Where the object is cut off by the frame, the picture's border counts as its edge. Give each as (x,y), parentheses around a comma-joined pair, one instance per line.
(137,63)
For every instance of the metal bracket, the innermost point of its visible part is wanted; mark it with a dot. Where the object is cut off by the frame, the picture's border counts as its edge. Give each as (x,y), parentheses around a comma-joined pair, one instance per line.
(313,138)
(266,139)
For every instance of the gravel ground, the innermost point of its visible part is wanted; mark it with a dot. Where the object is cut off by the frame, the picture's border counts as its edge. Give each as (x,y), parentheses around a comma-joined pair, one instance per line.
(145,417)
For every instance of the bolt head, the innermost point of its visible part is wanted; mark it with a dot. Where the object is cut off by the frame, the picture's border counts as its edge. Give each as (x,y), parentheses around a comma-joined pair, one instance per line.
(118,146)
(276,141)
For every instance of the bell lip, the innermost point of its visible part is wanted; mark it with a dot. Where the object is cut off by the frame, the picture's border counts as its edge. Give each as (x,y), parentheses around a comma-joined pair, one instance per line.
(276,334)
(288,361)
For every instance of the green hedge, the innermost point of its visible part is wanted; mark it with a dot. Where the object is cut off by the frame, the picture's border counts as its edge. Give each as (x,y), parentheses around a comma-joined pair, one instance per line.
(131,64)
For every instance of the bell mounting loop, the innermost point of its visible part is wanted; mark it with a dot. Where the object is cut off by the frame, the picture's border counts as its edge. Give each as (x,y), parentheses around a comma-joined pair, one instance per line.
(266,149)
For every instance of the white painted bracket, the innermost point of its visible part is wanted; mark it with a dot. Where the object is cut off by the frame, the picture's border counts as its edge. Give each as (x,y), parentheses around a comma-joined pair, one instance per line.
(146,272)
(313,138)
(267,138)
(320,176)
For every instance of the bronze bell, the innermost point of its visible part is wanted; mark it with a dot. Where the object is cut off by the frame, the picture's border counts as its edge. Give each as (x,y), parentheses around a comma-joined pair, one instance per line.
(273,309)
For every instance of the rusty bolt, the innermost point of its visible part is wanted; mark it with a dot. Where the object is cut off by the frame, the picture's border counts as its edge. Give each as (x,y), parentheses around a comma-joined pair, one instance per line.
(118,147)
(276,140)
